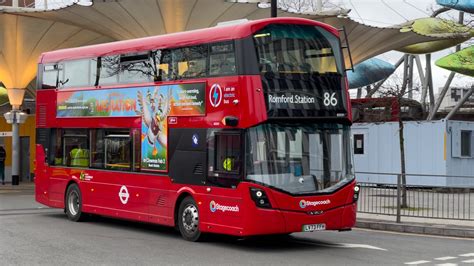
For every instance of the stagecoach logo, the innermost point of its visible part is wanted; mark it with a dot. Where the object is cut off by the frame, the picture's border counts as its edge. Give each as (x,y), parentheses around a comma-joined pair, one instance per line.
(305,203)
(223,208)
(123,195)
(215,95)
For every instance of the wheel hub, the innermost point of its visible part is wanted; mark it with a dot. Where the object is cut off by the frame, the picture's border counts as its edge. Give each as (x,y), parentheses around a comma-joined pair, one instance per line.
(190,218)
(73,203)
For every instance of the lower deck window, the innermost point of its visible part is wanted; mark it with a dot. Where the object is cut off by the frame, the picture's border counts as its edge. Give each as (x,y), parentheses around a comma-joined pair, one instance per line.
(118,152)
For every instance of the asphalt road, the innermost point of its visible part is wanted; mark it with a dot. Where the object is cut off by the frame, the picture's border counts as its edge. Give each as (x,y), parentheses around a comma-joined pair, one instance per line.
(31,235)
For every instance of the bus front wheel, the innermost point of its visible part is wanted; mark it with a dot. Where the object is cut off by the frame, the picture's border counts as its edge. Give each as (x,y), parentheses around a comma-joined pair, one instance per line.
(188,220)
(73,203)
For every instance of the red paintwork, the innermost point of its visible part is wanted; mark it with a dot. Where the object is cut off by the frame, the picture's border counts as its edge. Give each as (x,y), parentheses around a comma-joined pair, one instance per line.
(188,38)
(153,197)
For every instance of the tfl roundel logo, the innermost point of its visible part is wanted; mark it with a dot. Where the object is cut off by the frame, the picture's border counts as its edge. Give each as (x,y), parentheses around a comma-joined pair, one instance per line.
(212,206)
(215,95)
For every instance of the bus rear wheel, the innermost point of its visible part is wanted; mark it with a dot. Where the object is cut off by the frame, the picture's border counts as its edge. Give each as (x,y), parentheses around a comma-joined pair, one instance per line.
(73,203)
(188,220)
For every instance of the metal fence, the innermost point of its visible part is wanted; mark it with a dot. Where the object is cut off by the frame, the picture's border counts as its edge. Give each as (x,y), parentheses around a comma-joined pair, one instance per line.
(385,196)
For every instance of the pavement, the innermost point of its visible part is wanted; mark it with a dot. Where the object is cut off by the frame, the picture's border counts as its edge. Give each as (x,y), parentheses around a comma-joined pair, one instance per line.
(439,227)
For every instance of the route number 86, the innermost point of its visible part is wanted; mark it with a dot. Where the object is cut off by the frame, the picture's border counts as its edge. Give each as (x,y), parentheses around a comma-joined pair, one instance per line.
(330,99)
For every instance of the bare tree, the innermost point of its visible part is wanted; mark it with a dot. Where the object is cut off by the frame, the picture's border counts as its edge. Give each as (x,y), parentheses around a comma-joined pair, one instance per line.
(399,93)
(307,6)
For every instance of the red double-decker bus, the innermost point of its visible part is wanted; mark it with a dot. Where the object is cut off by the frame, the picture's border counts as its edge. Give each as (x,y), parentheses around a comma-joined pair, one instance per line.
(240,129)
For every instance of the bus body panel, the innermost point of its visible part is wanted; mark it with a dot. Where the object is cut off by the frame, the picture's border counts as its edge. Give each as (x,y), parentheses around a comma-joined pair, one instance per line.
(155,196)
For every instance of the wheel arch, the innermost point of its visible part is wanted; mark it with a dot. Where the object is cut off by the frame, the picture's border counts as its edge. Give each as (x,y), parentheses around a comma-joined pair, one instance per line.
(182,194)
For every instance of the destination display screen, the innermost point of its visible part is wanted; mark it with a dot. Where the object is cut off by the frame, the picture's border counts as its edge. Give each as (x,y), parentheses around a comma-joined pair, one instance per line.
(324,97)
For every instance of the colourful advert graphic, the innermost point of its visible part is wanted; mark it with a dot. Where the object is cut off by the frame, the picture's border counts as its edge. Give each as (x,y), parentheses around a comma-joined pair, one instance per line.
(153,104)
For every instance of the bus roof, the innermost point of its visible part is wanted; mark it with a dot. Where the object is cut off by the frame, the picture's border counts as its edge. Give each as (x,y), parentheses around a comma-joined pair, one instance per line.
(187,38)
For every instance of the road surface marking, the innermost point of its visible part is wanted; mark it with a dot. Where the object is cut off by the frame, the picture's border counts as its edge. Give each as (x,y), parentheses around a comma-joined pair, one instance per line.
(417,262)
(413,234)
(346,245)
(467,255)
(447,264)
(468,261)
(445,258)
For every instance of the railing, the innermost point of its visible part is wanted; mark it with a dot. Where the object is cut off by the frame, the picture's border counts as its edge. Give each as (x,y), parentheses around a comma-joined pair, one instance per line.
(449,197)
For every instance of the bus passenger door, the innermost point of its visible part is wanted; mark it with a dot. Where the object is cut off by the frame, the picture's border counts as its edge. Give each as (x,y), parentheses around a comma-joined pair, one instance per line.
(222,208)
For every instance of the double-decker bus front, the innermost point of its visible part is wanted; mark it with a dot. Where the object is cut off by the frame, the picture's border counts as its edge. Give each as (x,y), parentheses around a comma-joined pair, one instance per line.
(239,130)
(298,162)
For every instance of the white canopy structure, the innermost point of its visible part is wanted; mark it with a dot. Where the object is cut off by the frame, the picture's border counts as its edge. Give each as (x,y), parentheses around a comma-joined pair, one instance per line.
(74,25)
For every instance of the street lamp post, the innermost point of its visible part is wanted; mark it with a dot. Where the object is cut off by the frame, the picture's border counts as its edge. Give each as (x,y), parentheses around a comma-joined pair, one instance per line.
(15,117)
(273,8)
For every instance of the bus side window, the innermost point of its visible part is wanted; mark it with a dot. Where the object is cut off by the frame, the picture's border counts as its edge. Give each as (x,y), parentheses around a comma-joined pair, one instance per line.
(224,158)
(118,151)
(135,68)
(190,62)
(222,59)
(55,153)
(51,75)
(109,71)
(78,73)
(227,153)
(97,148)
(160,65)
(75,148)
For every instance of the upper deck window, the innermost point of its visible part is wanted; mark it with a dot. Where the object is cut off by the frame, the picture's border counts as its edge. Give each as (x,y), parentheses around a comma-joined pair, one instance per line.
(51,74)
(190,62)
(109,69)
(222,59)
(199,61)
(299,49)
(79,73)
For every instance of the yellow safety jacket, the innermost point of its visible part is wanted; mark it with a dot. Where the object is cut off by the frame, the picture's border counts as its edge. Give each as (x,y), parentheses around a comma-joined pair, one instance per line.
(79,157)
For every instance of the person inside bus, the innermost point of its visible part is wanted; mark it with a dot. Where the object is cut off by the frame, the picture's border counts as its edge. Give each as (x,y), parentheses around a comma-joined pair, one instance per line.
(195,69)
(79,156)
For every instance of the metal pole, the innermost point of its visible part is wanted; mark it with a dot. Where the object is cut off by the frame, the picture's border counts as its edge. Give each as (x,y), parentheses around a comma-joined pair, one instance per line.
(411,60)
(273,8)
(15,148)
(441,96)
(448,82)
(460,103)
(399,181)
(420,69)
(429,81)
(405,75)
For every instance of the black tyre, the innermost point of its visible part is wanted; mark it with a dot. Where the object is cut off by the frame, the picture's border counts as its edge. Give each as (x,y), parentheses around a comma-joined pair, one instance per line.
(188,220)
(73,203)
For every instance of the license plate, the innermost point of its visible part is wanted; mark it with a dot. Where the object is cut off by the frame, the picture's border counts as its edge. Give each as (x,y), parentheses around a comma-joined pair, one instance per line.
(313,227)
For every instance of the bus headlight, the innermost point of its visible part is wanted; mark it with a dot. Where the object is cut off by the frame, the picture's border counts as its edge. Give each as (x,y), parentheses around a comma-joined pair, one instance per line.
(260,198)
(356,192)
